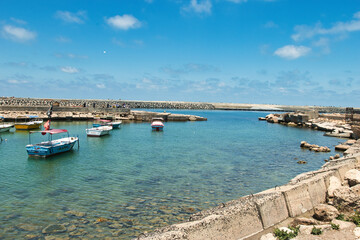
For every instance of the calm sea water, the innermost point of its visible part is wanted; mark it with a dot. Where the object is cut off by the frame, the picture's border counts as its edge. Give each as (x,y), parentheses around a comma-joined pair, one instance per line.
(135,180)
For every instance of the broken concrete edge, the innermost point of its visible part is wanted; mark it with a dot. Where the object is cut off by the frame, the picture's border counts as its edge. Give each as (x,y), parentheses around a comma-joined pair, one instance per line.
(249,215)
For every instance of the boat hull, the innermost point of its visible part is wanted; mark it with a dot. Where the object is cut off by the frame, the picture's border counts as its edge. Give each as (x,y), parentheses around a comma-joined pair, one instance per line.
(112,124)
(115,124)
(98,131)
(157,128)
(26,126)
(51,148)
(5,128)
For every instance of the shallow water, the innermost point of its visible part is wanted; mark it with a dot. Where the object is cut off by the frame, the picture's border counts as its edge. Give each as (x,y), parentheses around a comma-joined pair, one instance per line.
(135,180)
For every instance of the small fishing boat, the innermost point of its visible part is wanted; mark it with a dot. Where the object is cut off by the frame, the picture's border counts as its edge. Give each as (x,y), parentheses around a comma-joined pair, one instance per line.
(51,147)
(5,126)
(98,131)
(107,123)
(30,122)
(157,124)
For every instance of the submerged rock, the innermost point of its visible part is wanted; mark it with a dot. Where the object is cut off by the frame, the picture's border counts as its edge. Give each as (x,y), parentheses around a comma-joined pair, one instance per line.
(27,227)
(75,213)
(54,228)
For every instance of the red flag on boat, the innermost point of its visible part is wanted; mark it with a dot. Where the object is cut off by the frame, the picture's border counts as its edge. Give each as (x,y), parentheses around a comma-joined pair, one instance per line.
(47,125)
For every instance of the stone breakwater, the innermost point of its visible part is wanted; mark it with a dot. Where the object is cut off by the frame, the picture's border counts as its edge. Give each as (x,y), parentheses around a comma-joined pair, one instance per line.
(251,217)
(12,101)
(71,114)
(37,102)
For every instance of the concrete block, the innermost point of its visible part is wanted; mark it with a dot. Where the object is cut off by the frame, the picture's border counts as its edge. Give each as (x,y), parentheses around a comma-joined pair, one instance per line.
(330,173)
(317,189)
(297,198)
(272,208)
(342,169)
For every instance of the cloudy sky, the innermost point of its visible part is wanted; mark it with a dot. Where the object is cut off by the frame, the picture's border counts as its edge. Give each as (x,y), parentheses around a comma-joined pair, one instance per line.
(298,52)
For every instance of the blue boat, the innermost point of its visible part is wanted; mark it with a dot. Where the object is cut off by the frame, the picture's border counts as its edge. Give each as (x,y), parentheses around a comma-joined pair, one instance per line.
(51,147)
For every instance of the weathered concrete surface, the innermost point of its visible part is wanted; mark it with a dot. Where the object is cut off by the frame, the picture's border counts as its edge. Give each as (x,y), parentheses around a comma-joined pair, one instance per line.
(317,190)
(297,198)
(272,208)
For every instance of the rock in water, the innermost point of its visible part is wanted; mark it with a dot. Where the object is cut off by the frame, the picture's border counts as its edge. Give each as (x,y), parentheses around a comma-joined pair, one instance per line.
(54,228)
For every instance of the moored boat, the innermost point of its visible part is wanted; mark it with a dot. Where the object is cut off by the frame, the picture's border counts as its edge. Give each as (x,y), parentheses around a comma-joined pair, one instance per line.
(107,123)
(30,122)
(51,147)
(98,131)
(4,127)
(157,124)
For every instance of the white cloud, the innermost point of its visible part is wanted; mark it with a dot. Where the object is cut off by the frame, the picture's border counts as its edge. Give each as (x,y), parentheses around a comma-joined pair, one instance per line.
(69,17)
(357,15)
(292,52)
(69,69)
(18,21)
(100,85)
(63,39)
(124,22)
(324,44)
(303,32)
(17,33)
(15,81)
(271,24)
(201,6)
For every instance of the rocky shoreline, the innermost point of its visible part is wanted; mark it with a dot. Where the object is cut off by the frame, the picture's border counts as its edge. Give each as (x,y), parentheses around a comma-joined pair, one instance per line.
(334,125)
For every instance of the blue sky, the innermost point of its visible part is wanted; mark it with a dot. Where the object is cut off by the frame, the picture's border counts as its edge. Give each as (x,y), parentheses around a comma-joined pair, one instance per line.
(295,52)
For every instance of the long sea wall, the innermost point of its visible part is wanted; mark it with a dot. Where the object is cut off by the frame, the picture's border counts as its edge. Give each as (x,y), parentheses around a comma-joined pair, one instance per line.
(34,102)
(247,216)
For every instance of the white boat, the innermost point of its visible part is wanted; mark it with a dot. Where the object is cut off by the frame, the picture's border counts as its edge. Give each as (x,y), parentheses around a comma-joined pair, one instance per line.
(98,131)
(5,126)
(157,124)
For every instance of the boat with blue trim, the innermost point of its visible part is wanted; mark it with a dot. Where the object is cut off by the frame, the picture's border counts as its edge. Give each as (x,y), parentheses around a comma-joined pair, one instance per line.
(103,122)
(51,147)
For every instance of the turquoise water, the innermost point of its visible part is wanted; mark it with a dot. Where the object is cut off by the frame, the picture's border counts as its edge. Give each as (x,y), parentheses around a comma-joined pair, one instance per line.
(135,180)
